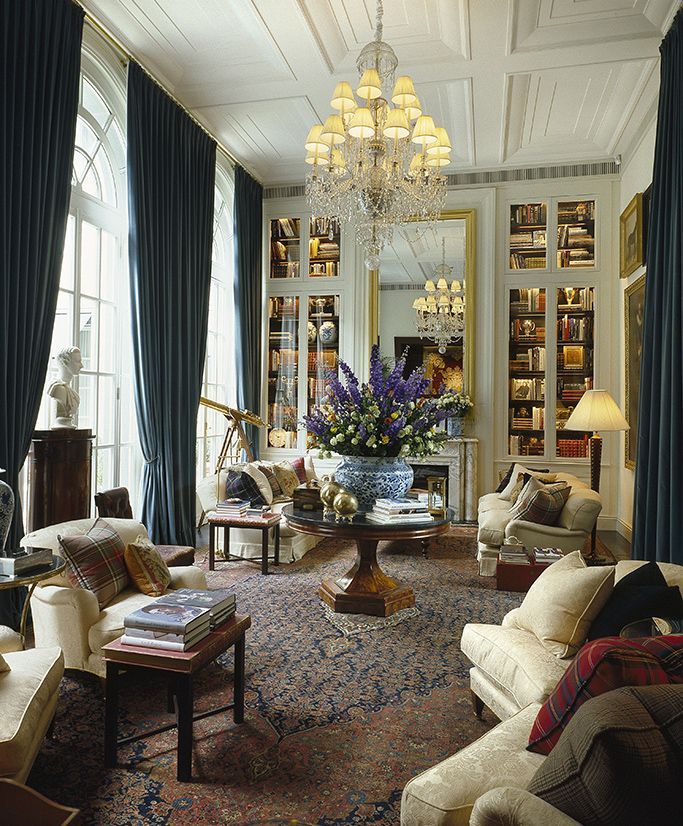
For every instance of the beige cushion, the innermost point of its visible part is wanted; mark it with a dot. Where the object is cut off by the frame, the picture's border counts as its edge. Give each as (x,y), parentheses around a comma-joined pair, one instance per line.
(261,480)
(287,478)
(514,486)
(445,794)
(147,570)
(25,693)
(4,666)
(492,501)
(10,640)
(507,806)
(492,526)
(514,659)
(581,510)
(563,602)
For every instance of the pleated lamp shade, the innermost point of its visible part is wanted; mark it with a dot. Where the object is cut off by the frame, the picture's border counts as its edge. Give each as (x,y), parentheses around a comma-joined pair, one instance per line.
(596,411)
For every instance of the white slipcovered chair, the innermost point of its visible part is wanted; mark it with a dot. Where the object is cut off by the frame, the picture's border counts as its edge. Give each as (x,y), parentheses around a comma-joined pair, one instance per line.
(71,618)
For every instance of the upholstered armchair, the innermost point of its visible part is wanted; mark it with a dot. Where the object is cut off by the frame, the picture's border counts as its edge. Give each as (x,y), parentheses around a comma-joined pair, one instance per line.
(71,617)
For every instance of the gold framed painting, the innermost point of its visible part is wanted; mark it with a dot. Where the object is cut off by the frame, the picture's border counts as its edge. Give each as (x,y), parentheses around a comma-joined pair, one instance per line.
(634,311)
(631,236)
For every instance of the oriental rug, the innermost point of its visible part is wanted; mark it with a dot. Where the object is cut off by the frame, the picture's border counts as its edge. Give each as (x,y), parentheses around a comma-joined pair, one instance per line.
(335,725)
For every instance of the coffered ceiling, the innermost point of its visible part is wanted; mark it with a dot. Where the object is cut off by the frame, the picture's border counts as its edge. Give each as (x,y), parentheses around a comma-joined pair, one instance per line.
(515,82)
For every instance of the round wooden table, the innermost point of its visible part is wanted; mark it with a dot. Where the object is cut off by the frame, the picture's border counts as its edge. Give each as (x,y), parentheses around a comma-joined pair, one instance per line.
(365,588)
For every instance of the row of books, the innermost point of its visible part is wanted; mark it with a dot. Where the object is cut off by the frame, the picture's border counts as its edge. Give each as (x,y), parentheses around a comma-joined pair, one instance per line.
(533,360)
(388,511)
(572,448)
(528,419)
(546,556)
(581,211)
(520,261)
(178,620)
(575,258)
(528,214)
(532,300)
(569,235)
(284,228)
(280,251)
(527,389)
(574,329)
(525,446)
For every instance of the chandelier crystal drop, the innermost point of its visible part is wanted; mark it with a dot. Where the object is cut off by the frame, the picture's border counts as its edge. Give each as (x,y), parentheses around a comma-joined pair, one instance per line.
(376,160)
(441,313)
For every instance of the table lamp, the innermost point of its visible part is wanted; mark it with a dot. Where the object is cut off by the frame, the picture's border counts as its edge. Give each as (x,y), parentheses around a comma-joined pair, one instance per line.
(596,411)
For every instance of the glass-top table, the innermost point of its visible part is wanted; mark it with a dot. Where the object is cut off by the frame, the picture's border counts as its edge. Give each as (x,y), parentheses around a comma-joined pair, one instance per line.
(366,588)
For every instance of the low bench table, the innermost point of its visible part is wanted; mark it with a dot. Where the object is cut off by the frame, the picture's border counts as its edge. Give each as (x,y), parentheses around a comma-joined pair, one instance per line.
(180,668)
(218,520)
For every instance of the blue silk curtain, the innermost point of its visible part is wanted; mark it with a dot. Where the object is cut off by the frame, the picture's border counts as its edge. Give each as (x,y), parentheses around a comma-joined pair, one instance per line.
(659,481)
(248,218)
(171,173)
(40,58)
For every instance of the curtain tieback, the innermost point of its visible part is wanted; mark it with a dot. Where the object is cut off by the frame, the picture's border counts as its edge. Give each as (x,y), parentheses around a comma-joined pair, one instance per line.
(152,461)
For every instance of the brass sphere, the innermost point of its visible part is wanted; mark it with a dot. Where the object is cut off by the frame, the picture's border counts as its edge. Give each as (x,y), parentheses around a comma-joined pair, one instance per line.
(345,506)
(328,491)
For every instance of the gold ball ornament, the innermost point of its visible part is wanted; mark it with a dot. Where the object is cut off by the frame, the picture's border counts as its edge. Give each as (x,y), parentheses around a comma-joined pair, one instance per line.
(345,506)
(328,491)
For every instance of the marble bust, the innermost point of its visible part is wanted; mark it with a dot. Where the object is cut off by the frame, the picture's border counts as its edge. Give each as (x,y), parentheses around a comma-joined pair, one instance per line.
(66,399)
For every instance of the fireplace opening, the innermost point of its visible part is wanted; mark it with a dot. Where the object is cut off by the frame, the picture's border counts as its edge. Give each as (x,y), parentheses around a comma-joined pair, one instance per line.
(420,474)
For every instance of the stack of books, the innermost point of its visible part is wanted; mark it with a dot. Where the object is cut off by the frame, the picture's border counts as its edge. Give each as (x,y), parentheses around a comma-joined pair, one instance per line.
(546,556)
(233,507)
(388,511)
(24,561)
(514,555)
(178,620)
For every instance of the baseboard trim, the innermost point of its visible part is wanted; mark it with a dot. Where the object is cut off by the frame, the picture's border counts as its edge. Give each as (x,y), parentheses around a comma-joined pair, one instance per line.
(607,523)
(625,530)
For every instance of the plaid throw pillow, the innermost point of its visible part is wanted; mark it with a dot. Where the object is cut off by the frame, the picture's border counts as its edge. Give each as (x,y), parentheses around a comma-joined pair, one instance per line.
(95,561)
(541,503)
(602,666)
(242,486)
(299,468)
(272,480)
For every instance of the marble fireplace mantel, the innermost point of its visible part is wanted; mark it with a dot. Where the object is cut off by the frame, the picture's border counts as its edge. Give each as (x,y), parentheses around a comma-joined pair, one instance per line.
(460,455)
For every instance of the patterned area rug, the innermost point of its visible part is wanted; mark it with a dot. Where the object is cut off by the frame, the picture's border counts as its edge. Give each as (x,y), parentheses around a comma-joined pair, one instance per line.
(335,724)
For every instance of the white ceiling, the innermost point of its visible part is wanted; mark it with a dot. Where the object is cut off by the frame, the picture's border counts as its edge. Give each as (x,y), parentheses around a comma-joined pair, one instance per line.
(515,82)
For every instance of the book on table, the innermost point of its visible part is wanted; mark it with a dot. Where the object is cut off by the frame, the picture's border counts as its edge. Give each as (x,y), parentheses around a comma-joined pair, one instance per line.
(173,618)
(146,638)
(404,505)
(221,602)
(24,561)
(399,518)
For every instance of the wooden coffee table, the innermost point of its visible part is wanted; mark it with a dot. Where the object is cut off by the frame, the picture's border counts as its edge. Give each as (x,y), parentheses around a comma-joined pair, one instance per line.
(217,521)
(365,588)
(179,668)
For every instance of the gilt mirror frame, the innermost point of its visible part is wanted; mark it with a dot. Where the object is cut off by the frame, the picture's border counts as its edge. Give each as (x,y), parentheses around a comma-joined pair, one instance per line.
(469,216)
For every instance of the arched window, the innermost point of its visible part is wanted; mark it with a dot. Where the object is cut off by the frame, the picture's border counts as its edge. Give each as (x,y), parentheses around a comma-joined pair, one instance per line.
(219,367)
(93,305)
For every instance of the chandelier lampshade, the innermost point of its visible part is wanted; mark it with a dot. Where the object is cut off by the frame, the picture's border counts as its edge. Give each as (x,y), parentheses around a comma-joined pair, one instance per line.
(379,173)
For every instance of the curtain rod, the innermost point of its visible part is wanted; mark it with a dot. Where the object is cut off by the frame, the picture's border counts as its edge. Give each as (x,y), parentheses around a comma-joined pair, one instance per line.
(124,52)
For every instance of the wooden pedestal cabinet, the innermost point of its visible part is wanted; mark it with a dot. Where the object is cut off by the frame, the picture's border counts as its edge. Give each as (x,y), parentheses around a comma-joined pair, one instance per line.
(60,468)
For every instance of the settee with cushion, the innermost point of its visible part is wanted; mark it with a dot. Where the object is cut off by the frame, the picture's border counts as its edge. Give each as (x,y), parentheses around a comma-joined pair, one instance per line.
(511,666)
(497,521)
(70,617)
(247,543)
(28,698)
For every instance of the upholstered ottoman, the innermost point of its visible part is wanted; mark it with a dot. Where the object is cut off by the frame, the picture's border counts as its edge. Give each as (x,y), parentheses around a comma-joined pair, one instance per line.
(176,556)
(445,794)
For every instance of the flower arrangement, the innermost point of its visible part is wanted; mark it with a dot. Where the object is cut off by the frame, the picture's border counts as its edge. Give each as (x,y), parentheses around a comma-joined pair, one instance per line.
(387,416)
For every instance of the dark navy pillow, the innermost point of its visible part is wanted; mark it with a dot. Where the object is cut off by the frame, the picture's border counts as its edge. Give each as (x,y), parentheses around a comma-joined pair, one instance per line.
(243,486)
(641,594)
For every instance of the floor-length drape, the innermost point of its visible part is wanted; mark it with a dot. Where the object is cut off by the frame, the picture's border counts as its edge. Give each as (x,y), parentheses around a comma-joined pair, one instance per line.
(171,174)
(40,56)
(659,482)
(248,218)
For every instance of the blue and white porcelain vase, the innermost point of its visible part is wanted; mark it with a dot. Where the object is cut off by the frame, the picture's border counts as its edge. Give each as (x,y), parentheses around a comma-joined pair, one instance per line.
(374,477)
(454,426)
(6,510)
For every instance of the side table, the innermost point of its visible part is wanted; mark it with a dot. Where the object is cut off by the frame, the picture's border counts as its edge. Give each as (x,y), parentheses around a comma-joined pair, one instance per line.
(252,522)
(30,579)
(513,577)
(179,668)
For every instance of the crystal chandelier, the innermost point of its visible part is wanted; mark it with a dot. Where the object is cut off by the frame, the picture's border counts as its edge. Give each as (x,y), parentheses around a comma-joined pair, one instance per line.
(441,313)
(371,166)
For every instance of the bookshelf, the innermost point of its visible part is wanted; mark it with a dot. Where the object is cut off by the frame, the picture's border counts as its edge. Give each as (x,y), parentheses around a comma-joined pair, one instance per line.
(527,248)
(285,248)
(527,372)
(324,249)
(323,345)
(575,362)
(283,370)
(575,234)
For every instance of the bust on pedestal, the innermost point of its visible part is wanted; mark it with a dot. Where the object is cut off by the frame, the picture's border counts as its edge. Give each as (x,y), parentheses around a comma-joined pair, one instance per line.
(61,458)
(70,364)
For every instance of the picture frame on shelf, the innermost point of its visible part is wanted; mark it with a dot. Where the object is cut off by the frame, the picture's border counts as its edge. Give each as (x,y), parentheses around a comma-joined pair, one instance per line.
(634,310)
(573,357)
(631,236)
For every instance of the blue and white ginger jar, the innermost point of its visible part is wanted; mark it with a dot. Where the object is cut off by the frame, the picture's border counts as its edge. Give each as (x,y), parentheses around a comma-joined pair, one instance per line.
(374,477)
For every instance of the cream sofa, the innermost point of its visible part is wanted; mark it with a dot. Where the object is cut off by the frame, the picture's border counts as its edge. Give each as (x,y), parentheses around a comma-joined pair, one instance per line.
(28,699)
(511,668)
(71,617)
(574,524)
(247,543)
(513,674)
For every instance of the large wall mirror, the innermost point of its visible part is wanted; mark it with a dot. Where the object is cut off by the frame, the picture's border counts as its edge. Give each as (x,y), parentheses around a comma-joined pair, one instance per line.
(406,265)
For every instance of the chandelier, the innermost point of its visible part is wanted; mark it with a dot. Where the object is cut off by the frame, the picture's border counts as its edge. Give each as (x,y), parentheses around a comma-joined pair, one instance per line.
(374,165)
(441,313)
